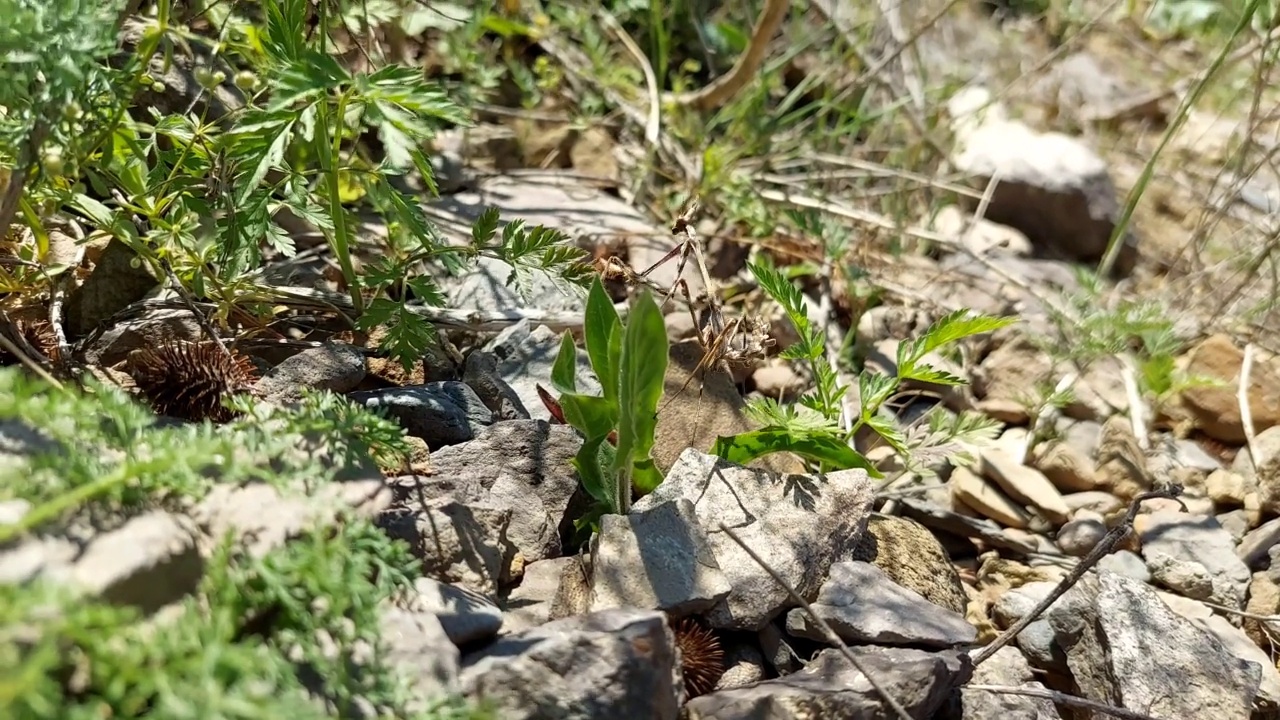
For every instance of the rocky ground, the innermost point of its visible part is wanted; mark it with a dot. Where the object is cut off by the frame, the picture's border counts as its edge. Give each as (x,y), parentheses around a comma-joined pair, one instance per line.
(1168,500)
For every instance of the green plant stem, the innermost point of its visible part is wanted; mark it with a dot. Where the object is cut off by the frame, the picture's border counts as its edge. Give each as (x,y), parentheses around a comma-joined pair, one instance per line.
(340,238)
(1179,119)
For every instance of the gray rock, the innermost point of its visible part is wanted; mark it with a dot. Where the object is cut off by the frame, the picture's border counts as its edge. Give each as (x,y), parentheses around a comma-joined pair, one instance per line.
(12,511)
(1127,648)
(335,367)
(520,465)
(1188,453)
(1185,577)
(913,558)
(1273,554)
(441,413)
(1202,540)
(935,517)
(1037,640)
(601,666)
(863,605)
(525,355)
(19,441)
(37,557)
(798,524)
(119,279)
(457,543)
(1256,543)
(777,647)
(1236,642)
(530,604)
(148,329)
(830,687)
(267,517)
(1126,563)
(1009,668)
(465,616)
(421,653)
(1053,188)
(1024,484)
(148,562)
(1103,503)
(1235,522)
(656,559)
(1078,537)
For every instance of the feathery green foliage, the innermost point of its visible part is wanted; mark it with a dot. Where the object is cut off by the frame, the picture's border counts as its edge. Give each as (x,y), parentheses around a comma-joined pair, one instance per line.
(293,633)
(816,427)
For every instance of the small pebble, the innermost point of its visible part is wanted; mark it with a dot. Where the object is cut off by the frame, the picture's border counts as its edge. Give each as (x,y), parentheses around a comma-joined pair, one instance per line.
(1079,535)
(1123,562)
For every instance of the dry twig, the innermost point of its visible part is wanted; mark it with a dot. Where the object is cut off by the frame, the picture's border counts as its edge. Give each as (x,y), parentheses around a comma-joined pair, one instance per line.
(1246,412)
(722,89)
(1063,699)
(830,634)
(734,341)
(1137,408)
(1104,546)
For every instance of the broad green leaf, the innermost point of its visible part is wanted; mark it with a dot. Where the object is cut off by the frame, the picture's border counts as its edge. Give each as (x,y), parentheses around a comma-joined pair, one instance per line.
(593,416)
(590,519)
(646,477)
(128,161)
(820,447)
(566,365)
(642,371)
(603,338)
(105,218)
(590,471)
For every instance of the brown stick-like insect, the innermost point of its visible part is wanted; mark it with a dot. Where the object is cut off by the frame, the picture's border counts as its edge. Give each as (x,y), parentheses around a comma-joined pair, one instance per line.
(739,340)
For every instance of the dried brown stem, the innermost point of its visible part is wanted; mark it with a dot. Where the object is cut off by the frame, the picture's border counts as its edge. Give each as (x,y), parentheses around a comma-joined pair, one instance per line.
(830,634)
(1104,546)
(1063,699)
(723,88)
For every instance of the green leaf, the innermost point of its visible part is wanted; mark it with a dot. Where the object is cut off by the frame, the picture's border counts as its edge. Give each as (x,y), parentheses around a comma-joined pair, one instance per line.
(784,292)
(426,290)
(408,337)
(484,228)
(951,327)
(593,416)
(931,375)
(820,447)
(874,390)
(642,372)
(645,476)
(602,333)
(1158,373)
(267,140)
(105,218)
(566,365)
(884,426)
(591,472)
